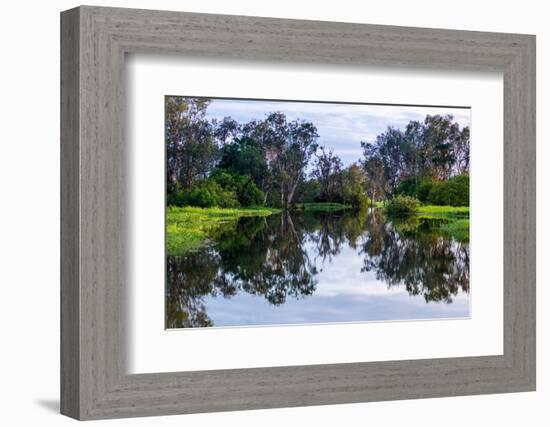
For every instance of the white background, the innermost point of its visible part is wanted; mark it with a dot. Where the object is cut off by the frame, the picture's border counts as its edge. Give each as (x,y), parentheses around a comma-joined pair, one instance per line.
(152,349)
(29,216)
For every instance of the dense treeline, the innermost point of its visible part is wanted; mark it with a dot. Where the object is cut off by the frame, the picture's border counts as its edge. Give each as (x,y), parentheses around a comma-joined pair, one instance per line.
(424,161)
(276,162)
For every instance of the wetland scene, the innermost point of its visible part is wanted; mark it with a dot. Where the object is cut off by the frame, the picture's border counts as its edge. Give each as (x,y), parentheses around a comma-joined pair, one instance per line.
(282,212)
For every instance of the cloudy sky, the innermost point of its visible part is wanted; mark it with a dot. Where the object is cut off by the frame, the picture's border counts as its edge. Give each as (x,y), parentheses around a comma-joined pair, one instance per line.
(340,126)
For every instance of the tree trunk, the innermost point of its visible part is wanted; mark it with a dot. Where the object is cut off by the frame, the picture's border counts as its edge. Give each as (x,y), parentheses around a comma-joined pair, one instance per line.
(291,194)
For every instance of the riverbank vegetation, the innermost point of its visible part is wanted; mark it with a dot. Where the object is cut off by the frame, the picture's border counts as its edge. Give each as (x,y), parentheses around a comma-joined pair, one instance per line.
(448,211)
(188,228)
(220,170)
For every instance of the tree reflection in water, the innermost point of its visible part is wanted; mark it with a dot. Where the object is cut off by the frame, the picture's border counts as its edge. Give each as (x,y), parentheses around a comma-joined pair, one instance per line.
(261,256)
(280,257)
(412,253)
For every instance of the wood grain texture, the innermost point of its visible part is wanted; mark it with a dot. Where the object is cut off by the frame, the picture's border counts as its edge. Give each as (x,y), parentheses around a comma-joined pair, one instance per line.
(94,232)
(70,259)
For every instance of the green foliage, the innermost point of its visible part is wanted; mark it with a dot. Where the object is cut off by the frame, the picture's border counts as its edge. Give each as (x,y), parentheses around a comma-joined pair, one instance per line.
(249,194)
(456,222)
(353,188)
(175,198)
(188,228)
(222,189)
(246,191)
(416,187)
(265,162)
(452,192)
(190,146)
(358,200)
(346,186)
(423,190)
(308,191)
(402,205)
(327,171)
(204,194)
(244,157)
(224,179)
(408,187)
(210,194)
(447,211)
(376,174)
(436,148)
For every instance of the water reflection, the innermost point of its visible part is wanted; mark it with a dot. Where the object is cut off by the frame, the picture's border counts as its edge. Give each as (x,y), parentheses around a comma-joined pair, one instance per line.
(303,268)
(410,252)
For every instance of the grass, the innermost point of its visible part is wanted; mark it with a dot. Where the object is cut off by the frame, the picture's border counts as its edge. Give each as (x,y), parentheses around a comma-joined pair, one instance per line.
(448,211)
(321,207)
(189,228)
(454,221)
(459,225)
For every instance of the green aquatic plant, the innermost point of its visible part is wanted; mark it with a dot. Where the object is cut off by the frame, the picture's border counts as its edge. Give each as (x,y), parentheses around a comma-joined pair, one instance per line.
(402,205)
(189,228)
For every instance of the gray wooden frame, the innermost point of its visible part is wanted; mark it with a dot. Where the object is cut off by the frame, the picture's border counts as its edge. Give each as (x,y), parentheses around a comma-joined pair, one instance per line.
(94,41)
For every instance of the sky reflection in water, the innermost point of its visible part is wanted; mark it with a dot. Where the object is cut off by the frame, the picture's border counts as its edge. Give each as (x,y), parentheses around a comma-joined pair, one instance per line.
(320,268)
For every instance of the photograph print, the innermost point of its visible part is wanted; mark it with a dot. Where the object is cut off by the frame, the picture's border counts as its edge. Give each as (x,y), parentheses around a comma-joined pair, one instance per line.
(299,212)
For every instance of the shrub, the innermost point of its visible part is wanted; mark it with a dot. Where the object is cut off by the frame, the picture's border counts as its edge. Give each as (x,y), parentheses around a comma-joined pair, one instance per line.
(452,192)
(308,191)
(249,194)
(358,200)
(402,205)
(207,194)
(415,187)
(408,187)
(175,198)
(212,194)
(423,189)
(246,191)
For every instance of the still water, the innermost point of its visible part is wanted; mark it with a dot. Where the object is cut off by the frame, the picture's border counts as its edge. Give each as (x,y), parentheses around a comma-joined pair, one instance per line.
(295,268)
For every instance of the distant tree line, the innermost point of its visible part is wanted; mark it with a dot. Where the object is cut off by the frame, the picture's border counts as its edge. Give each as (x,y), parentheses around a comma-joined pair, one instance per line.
(428,160)
(277,162)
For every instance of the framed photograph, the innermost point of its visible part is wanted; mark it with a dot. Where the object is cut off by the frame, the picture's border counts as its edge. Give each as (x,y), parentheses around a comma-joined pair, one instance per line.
(261,213)
(278,212)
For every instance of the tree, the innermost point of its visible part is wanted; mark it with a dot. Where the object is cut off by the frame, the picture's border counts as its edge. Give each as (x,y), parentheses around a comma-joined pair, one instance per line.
(376,173)
(354,183)
(445,148)
(287,148)
(225,130)
(461,147)
(244,156)
(435,149)
(190,146)
(394,153)
(326,168)
(246,192)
